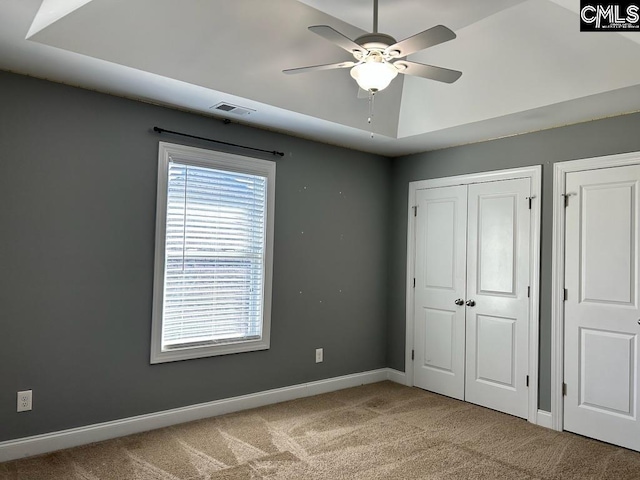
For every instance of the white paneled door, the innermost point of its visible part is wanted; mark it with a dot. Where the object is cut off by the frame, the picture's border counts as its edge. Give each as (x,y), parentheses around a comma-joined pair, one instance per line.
(498,263)
(602,315)
(441,242)
(471,296)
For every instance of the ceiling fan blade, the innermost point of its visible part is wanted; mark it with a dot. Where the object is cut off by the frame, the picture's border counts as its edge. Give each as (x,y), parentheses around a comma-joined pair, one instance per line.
(438,74)
(334,36)
(420,41)
(328,66)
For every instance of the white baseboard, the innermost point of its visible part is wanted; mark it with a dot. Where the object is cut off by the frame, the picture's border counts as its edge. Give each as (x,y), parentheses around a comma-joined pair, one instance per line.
(543,419)
(396,376)
(49,442)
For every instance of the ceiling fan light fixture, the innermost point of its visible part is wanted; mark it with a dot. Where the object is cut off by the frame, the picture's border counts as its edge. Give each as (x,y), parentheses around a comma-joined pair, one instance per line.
(374,74)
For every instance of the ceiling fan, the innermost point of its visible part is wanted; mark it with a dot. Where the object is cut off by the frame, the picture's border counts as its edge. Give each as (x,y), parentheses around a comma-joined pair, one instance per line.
(379,58)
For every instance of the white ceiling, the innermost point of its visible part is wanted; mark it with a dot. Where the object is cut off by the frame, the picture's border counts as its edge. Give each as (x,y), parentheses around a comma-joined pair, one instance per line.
(526,66)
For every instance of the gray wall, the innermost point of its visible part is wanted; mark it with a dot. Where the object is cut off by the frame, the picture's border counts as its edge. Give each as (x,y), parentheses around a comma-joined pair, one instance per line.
(602,137)
(77,189)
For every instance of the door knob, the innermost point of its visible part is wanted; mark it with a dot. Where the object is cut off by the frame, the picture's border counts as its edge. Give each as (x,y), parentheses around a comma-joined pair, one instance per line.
(471,303)
(461,302)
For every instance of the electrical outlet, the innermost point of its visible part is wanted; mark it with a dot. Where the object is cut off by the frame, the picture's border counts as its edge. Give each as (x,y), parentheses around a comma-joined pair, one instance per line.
(25,401)
(319,355)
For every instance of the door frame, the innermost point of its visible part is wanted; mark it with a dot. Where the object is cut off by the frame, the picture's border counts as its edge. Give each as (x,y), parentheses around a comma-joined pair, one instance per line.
(560,171)
(534,173)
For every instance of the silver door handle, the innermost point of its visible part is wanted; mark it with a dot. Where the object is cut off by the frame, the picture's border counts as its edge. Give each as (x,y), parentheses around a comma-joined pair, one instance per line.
(459,302)
(471,303)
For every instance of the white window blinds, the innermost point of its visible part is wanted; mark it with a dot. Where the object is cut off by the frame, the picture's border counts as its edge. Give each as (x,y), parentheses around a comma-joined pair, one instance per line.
(214,257)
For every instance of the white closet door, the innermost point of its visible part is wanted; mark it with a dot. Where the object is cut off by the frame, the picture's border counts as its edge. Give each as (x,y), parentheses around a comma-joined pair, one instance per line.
(440,269)
(601,311)
(497,315)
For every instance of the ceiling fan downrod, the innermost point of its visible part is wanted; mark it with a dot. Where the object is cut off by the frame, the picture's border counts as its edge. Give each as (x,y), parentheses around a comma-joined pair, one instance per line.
(375,16)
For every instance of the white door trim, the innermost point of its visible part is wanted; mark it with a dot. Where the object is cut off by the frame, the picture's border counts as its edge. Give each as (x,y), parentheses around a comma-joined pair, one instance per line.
(534,173)
(560,171)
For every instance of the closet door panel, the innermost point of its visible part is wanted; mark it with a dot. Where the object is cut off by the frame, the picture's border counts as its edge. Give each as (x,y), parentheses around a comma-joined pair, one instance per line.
(440,271)
(497,309)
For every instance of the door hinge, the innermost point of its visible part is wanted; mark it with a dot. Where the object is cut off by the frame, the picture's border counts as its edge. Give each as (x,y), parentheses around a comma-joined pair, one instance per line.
(415,210)
(566,198)
(529,292)
(527,380)
(414,283)
(564,389)
(413,354)
(530,199)
(565,294)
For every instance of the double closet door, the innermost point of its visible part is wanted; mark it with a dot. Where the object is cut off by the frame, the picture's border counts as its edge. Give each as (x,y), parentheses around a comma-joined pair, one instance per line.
(471,309)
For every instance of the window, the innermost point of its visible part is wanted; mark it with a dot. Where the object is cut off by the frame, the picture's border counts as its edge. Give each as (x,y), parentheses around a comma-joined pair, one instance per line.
(213,260)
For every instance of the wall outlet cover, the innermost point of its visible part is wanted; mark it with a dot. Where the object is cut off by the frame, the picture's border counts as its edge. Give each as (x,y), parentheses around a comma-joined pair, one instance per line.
(25,401)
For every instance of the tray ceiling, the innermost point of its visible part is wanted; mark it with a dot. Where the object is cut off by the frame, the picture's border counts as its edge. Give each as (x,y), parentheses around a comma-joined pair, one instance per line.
(526,66)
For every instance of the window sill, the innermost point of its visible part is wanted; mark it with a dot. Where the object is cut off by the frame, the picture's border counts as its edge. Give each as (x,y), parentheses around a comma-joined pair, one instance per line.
(158,356)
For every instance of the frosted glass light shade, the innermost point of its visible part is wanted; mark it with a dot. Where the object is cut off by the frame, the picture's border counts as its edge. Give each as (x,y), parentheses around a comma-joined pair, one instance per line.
(374,75)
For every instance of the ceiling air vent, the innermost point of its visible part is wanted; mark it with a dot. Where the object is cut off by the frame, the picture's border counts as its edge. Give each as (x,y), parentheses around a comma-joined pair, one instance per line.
(235,109)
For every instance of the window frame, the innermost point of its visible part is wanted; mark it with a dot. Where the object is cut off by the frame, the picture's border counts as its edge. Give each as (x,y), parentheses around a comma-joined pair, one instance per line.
(200,157)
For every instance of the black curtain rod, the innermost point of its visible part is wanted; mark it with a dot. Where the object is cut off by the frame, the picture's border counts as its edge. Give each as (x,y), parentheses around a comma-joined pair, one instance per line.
(272,152)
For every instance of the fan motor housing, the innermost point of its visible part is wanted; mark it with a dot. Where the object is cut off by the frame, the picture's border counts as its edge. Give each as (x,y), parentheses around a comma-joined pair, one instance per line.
(376,41)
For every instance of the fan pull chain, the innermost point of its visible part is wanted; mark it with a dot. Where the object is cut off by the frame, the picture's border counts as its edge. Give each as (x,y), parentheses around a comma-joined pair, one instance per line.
(372,97)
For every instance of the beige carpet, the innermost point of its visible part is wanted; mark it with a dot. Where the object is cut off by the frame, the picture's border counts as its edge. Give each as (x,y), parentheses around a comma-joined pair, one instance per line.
(380,431)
